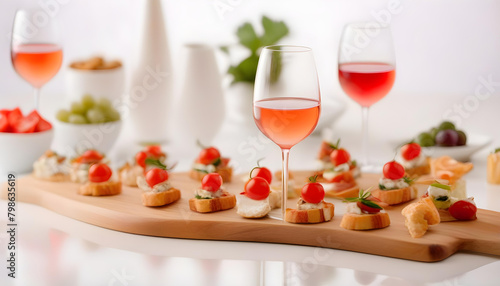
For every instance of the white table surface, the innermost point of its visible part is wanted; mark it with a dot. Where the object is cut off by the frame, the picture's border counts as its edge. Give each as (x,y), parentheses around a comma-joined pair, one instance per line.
(56,250)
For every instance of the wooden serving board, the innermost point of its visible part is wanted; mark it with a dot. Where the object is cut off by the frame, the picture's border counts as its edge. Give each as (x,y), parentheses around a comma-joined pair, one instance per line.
(125,213)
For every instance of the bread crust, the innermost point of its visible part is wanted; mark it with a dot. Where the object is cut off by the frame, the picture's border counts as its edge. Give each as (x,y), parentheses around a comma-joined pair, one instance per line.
(109,188)
(225,202)
(312,215)
(365,221)
(225,172)
(157,199)
(395,197)
(59,177)
(418,171)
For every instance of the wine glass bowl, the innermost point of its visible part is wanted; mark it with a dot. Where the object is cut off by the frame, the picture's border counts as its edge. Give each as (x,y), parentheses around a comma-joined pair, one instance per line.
(286,100)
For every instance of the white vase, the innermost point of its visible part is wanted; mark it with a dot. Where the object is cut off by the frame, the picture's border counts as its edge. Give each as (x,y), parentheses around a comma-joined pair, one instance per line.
(151,88)
(201,105)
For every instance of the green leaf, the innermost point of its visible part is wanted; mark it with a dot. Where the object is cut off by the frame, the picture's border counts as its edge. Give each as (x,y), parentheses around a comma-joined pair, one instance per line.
(371,204)
(351,199)
(273,31)
(497,150)
(382,187)
(217,162)
(354,163)
(245,71)
(441,186)
(248,38)
(224,49)
(156,163)
(201,198)
(442,199)
(201,171)
(408,180)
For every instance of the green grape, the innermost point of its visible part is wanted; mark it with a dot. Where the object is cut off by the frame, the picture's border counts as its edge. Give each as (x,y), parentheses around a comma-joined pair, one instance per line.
(63,115)
(95,115)
(77,119)
(112,115)
(425,140)
(445,125)
(88,101)
(77,108)
(104,104)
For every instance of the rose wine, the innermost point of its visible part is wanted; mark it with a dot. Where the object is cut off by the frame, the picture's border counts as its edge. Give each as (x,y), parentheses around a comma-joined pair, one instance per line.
(37,63)
(366,83)
(285,120)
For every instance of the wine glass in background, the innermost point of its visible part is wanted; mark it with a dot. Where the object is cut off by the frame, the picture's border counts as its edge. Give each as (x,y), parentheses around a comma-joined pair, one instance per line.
(286,100)
(366,69)
(36,52)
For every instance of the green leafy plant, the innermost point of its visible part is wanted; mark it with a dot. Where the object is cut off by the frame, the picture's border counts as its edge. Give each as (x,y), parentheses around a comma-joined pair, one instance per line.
(274,31)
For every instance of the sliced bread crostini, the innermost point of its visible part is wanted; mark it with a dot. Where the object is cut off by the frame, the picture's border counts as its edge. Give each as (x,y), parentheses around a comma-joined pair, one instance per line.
(411,157)
(100,182)
(311,208)
(51,167)
(364,213)
(394,187)
(211,197)
(156,188)
(210,161)
(130,171)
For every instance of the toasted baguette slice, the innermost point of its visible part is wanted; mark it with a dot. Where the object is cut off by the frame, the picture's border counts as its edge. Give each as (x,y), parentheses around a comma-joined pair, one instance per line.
(365,221)
(225,202)
(156,199)
(398,196)
(225,172)
(347,193)
(311,216)
(59,177)
(418,171)
(101,189)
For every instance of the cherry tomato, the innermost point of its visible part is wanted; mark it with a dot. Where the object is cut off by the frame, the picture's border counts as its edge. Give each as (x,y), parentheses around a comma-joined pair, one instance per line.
(140,158)
(463,210)
(154,150)
(339,157)
(208,156)
(393,170)
(90,156)
(156,176)
(366,209)
(313,193)
(262,172)
(211,182)
(410,151)
(99,173)
(257,188)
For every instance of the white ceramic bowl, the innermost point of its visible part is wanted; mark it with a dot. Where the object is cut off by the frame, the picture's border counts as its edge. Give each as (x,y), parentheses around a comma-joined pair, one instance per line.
(72,139)
(109,83)
(475,142)
(18,152)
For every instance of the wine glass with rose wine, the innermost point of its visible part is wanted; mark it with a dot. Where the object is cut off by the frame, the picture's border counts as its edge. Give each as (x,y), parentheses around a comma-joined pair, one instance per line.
(36,52)
(286,102)
(367,70)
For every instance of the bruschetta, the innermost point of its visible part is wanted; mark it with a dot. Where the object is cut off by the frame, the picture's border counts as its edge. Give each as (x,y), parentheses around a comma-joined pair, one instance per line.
(211,197)
(79,169)
(156,189)
(413,160)
(210,161)
(364,214)
(51,167)
(394,187)
(129,172)
(100,182)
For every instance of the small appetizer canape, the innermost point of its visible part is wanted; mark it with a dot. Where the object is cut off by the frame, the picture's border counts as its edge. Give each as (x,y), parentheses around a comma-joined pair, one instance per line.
(266,174)
(394,187)
(311,208)
(131,170)
(413,160)
(293,190)
(331,157)
(100,182)
(364,214)
(447,168)
(339,178)
(51,167)
(493,168)
(452,201)
(210,161)
(79,170)
(156,188)
(253,202)
(419,215)
(211,197)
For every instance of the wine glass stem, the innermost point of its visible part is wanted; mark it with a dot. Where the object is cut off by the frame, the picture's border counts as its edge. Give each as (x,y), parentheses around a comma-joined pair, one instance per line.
(366,140)
(284,179)
(36,95)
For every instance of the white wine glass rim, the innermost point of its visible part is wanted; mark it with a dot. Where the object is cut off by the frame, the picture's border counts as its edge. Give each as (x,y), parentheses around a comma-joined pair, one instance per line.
(287,49)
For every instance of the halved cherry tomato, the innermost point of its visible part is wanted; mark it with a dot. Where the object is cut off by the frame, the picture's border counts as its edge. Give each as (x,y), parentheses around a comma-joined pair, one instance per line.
(99,173)
(262,172)
(313,193)
(393,170)
(339,157)
(211,182)
(366,209)
(14,116)
(90,156)
(410,151)
(257,188)
(140,158)
(156,176)
(463,210)
(4,124)
(208,156)
(154,150)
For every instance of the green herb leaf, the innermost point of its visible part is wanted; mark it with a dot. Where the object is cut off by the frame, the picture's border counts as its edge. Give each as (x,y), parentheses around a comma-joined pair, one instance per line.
(442,199)
(200,197)
(248,38)
(351,199)
(201,171)
(155,162)
(354,163)
(371,204)
(273,31)
(441,186)
(217,162)
(245,71)
(224,49)
(497,150)
(313,179)
(382,187)
(408,180)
